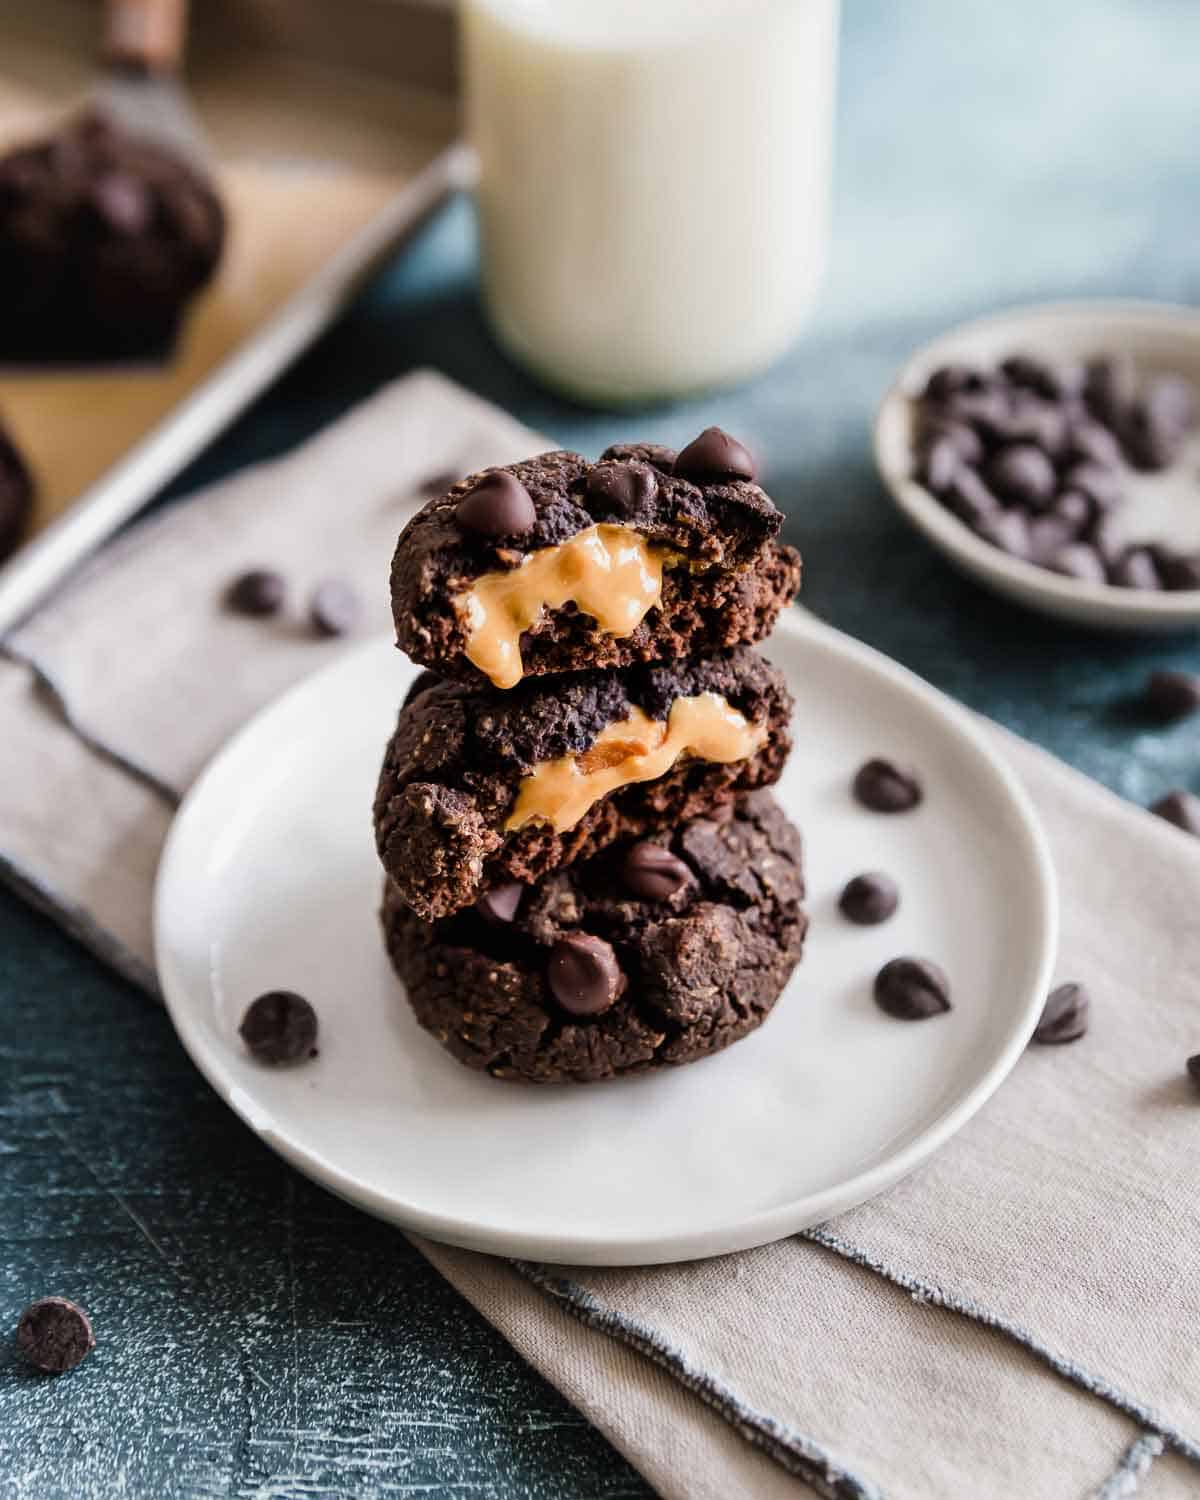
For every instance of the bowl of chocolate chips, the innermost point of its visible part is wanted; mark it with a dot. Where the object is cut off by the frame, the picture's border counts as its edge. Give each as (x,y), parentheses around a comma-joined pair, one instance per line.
(1053,453)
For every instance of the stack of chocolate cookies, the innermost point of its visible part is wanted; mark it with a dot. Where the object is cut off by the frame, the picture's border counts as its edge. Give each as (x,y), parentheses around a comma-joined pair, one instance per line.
(586,875)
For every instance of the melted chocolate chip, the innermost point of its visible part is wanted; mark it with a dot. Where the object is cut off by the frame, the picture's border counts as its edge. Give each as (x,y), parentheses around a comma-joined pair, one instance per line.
(621,488)
(498,504)
(583,975)
(714,455)
(54,1335)
(498,907)
(335,608)
(653,873)
(280,1027)
(869,899)
(885,787)
(1169,696)
(1065,1016)
(261,591)
(912,989)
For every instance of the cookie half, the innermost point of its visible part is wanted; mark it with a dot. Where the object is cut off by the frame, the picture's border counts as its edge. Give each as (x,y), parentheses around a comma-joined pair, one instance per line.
(480,786)
(560,565)
(649,955)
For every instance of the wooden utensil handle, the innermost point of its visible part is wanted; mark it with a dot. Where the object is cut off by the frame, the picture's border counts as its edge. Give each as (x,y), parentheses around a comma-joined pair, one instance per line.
(145,33)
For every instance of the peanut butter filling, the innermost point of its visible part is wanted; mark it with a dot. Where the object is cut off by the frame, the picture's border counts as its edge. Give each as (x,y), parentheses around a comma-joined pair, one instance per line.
(610,572)
(559,792)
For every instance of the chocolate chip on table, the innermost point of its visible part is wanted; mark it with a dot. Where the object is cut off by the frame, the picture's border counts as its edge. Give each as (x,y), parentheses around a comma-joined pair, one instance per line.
(886,787)
(54,1334)
(1169,696)
(1022,473)
(869,899)
(583,975)
(1080,561)
(714,455)
(335,608)
(1181,808)
(1135,568)
(1064,1017)
(261,592)
(496,505)
(1193,1068)
(498,906)
(653,873)
(280,1027)
(912,989)
(622,487)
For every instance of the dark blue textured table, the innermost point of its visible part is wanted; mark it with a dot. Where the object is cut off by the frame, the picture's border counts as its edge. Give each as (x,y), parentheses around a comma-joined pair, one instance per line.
(259,1339)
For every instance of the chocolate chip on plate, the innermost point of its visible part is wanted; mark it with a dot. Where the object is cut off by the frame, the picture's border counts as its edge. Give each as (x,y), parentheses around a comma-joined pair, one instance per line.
(1193,1067)
(1064,1017)
(54,1334)
(869,899)
(622,487)
(1171,695)
(653,873)
(280,1027)
(261,591)
(584,975)
(334,608)
(1022,473)
(912,989)
(714,455)
(497,504)
(1181,808)
(1080,561)
(498,906)
(886,787)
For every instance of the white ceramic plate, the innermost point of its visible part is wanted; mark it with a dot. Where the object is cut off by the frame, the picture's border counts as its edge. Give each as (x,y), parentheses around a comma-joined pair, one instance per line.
(1163,507)
(270,880)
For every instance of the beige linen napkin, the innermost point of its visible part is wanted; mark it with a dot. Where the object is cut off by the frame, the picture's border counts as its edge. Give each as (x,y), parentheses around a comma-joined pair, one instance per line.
(1018,1319)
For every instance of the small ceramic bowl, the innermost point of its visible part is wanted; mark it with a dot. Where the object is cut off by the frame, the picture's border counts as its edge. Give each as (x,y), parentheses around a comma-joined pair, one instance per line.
(1164,507)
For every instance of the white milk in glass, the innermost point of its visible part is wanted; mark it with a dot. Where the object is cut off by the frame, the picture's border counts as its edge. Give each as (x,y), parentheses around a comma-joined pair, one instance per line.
(655,182)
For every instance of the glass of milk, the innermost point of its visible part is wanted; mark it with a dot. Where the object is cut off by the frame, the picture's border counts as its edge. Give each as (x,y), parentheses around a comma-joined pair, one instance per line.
(654,184)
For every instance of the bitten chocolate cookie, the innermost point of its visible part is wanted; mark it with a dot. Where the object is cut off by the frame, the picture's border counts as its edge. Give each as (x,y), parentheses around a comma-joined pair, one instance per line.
(560,565)
(650,955)
(480,786)
(103,239)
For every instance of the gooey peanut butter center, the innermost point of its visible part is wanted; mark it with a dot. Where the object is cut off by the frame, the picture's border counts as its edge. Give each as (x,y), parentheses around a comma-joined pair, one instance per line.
(610,572)
(638,748)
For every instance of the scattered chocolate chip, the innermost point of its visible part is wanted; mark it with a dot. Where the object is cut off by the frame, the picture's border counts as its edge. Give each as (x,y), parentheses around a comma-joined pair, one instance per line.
(714,455)
(869,899)
(1064,1017)
(1080,561)
(1022,473)
(583,975)
(912,989)
(1181,808)
(1193,1067)
(1135,569)
(439,483)
(261,591)
(54,1335)
(498,504)
(653,873)
(280,1027)
(1169,696)
(498,906)
(950,379)
(624,488)
(335,608)
(885,787)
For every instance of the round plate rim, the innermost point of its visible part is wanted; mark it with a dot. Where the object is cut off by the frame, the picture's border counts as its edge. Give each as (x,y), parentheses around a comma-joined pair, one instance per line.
(1089,603)
(208,1053)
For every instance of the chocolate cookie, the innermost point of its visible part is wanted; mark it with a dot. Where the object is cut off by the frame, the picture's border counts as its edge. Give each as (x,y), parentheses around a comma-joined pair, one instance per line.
(480,786)
(103,239)
(560,565)
(597,971)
